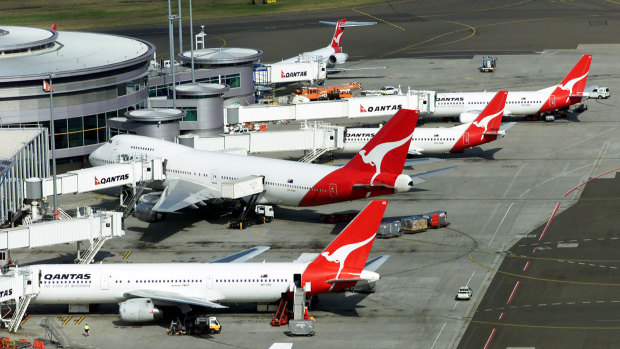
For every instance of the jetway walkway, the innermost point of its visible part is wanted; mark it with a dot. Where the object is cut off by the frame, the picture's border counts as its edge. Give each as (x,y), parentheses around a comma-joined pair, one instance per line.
(96,227)
(130,170)
(18,286)
(313,137)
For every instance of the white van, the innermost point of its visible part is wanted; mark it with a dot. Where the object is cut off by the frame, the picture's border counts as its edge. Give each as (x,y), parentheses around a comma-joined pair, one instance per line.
(600,92)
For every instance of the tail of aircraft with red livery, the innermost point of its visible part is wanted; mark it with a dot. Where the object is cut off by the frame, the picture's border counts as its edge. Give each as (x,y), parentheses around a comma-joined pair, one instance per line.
(485,128)
(341,264)
(570,90)
(337,39)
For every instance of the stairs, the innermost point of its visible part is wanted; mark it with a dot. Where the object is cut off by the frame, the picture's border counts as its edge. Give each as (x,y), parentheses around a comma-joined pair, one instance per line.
(313,155)
(87,256)
(130,203)
(54,333)
(20,310)
(280,317)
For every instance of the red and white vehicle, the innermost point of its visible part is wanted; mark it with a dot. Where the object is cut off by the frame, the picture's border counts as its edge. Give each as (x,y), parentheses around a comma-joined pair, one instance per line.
(196,176)
(468,105)
(484,129)
(140,288)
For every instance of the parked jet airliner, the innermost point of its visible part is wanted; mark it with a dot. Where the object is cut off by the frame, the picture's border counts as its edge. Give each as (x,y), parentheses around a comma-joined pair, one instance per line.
(468,105)
(140,288)
(194,176)
(485,129)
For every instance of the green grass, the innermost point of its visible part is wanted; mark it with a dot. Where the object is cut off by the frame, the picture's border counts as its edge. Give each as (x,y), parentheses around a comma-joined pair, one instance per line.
(92,14)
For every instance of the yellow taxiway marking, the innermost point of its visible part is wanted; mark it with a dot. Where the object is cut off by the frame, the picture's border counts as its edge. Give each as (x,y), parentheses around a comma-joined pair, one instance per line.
(24,320)
(78,321)
(379,19)
(68,318)
(126,255)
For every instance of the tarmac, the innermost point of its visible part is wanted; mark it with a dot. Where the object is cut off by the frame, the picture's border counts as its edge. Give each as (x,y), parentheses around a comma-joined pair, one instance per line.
(499,203)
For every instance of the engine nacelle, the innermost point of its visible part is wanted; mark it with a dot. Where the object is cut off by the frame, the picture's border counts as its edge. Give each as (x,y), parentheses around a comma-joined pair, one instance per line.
(337,58)
(144,209)
(467,117)
(403,183)
(139,310)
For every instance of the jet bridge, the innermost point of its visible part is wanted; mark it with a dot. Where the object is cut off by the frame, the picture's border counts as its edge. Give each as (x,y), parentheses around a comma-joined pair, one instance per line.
(17,287)
(130,169)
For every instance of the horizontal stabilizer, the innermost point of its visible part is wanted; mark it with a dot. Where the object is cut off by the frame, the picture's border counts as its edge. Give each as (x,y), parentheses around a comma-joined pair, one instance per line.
(335,281)
(338,70)
(421,161)
(242,256)
(506,126)
(348,24)
(375,263)
(306,257)
(172,297)
(421,177)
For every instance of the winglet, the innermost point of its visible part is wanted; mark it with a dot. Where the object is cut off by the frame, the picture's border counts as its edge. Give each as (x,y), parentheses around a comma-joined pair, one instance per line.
(345,257)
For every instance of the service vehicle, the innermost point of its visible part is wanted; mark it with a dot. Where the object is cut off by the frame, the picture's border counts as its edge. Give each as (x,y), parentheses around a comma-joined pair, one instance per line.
(464,293)
(600,93)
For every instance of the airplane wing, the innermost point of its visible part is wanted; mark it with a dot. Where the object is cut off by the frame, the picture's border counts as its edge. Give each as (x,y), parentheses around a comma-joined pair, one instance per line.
(375,263)
(349,24)
(181,193)
(242,256)
(421,177)
(172,297)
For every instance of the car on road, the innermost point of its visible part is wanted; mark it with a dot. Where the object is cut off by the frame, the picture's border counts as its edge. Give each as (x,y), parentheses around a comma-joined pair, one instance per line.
(389,90)
(464,294)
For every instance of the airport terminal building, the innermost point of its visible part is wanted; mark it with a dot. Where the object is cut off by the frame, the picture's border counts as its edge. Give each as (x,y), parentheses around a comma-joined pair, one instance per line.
(95,77)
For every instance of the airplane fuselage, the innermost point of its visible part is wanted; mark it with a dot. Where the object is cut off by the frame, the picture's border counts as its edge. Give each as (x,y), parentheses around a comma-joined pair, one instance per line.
(108,283)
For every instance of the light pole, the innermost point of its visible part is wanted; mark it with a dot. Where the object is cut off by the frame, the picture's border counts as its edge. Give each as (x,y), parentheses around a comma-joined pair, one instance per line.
(51,76)
(191,39)
(171,19)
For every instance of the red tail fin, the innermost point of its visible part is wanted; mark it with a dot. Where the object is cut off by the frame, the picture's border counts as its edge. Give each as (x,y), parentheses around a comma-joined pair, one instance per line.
(386,152)
(490,119)
(346,256)
(54,26)
(570,90)
(336,40)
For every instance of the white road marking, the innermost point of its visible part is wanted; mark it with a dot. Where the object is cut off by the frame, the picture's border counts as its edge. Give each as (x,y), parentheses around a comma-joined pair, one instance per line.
(514,178)
(439,334)
(500,223)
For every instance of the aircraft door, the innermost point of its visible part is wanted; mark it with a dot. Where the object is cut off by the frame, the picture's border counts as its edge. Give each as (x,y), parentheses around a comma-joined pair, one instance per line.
(214,176)
(210,281)
(105,282)
(333,190)
(552,101)
(466,138)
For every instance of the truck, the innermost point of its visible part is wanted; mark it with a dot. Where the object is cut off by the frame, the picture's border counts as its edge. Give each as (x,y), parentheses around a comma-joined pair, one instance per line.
(194,325)
(328,92)
(488,64)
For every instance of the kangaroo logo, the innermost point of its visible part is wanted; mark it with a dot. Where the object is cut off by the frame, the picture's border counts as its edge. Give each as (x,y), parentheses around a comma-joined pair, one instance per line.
(571,84)
(341,254)
(376,155)
(484,123)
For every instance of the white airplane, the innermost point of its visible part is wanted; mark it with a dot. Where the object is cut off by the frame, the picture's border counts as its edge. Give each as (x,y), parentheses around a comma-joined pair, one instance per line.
(332,54)
(194,177)
(437,140)
(468,105)
(140,288)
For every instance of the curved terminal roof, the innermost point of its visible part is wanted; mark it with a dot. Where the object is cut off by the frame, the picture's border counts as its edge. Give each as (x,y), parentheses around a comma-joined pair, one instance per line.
(201,89)
(222,55)
(75,53)
(154,115)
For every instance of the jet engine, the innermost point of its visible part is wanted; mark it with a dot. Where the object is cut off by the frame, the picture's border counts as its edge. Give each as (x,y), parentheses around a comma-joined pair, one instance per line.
(139,310)
(144,209)
(337,58)
(468,117)
(403,183)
